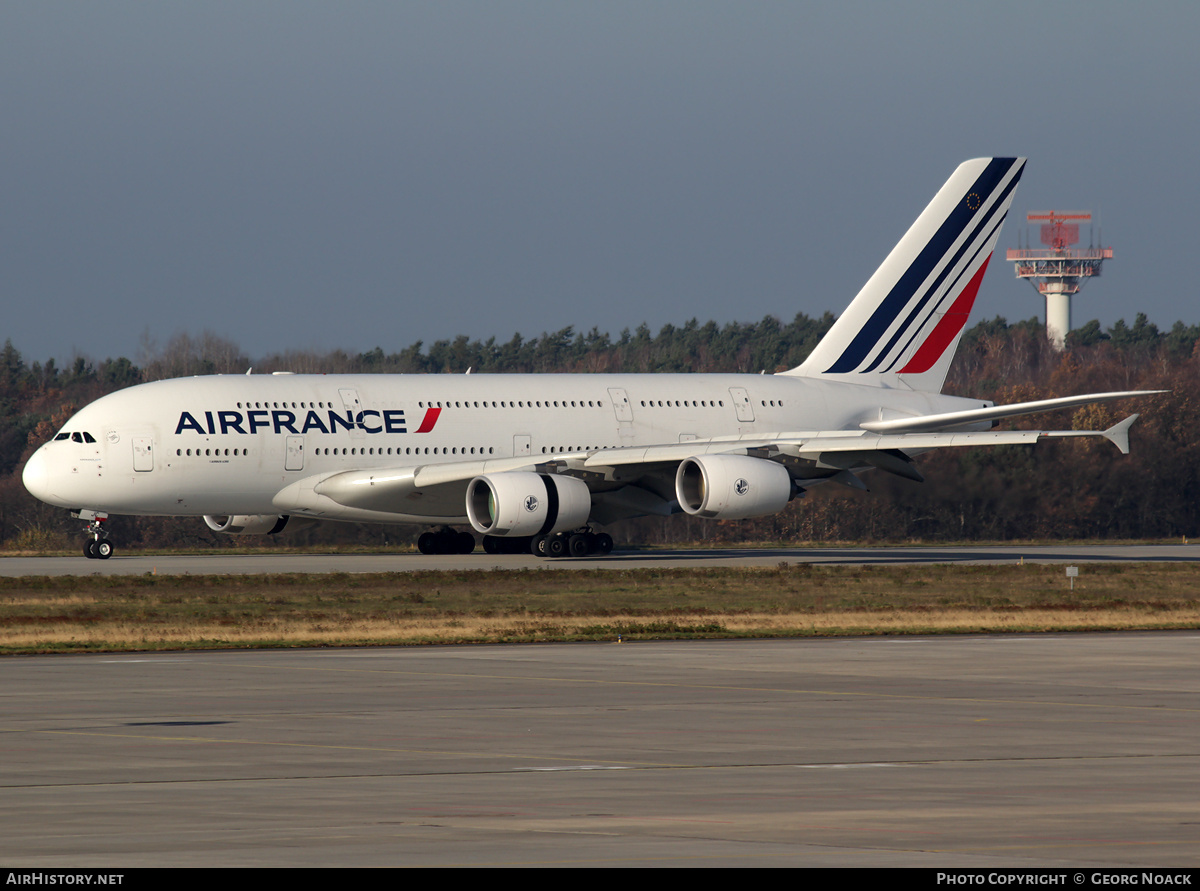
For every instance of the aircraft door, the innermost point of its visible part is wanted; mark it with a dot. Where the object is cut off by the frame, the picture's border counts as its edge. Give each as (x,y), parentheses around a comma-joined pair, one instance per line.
(353,405)
(621,403)
(294,456)
(742,404)
(522,444)
(624,412)
(143,453)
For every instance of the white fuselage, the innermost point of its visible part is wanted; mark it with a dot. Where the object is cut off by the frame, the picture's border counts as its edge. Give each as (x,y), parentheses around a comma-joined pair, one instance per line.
(256,444)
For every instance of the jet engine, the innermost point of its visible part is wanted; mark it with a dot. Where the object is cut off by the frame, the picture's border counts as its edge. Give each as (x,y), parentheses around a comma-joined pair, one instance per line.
(732,487)
(255,524)
(525,503)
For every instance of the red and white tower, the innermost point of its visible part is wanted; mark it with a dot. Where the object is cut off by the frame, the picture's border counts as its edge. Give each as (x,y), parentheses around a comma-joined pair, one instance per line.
(1058,270)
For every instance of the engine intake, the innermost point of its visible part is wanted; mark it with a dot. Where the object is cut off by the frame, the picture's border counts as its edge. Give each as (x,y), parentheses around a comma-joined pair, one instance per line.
(525,503)
(732,487)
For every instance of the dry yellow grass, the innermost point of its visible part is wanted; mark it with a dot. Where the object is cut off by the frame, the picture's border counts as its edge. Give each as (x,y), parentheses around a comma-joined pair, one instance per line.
(165,612)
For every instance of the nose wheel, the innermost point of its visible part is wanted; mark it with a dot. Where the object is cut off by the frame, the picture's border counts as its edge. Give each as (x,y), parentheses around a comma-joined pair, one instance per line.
(97,546)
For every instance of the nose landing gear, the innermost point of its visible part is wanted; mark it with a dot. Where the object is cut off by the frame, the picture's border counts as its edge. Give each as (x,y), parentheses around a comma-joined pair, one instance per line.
(97,546)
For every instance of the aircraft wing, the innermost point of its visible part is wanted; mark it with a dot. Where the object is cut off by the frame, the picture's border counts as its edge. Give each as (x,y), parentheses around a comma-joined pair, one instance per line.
(813,456)
(812,443)
(950,420)
(821,455)
(435,490)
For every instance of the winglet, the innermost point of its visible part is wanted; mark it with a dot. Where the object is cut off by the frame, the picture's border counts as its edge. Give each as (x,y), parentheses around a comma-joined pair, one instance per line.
(1118,434)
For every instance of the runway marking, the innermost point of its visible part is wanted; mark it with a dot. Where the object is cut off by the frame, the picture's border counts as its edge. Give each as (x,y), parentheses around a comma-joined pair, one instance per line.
(628,765)
(574,767)
(624,764)
(864,764)
(795,691)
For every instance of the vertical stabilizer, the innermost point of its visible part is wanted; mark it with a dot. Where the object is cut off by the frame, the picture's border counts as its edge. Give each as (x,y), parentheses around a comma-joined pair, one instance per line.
(904,326)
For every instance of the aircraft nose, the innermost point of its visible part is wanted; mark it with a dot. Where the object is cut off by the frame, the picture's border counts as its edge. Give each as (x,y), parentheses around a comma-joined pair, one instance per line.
(36,476)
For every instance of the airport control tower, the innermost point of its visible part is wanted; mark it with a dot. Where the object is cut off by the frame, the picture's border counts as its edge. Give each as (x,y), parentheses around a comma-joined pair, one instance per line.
(1057,269)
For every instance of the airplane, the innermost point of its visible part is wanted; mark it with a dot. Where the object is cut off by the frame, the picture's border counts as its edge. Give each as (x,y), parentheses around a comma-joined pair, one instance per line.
(533,462)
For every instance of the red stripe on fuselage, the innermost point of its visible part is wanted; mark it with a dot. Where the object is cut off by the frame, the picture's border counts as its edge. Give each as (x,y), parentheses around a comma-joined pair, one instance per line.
(427,422)
(948,327)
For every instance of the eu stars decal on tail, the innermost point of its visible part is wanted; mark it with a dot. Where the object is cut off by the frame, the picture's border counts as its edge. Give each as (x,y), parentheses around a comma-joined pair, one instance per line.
(533,462)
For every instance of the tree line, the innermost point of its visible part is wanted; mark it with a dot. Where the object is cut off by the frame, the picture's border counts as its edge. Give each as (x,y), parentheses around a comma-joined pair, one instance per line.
(1062,489)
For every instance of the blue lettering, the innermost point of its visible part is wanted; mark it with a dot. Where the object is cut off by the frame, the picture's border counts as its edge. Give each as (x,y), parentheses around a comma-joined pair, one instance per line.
(393,422)
(230,420)
(335,419)
(187,422)
(312,422)
(368,420)
(283,421)
(362,424)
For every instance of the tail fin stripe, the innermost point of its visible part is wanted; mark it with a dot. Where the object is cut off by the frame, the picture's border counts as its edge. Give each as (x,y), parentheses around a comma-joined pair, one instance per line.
(953,288)
(947,327)
(976,243)
(924,264)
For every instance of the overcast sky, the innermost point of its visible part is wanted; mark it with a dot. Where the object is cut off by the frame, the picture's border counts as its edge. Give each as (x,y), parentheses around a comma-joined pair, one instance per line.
(349,174)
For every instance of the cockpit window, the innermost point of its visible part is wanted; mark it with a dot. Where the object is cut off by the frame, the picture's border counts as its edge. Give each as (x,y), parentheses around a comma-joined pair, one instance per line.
(87,437)
(62,436)
(76,437)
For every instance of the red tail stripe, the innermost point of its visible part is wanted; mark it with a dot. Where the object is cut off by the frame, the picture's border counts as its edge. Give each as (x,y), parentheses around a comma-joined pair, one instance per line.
(947,328)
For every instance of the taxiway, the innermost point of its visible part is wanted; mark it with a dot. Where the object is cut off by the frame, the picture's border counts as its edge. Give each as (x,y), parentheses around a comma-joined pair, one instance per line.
(967,752)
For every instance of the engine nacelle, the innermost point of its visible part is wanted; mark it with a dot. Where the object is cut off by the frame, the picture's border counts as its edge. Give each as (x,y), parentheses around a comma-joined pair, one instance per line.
(255,524)
(732,487)
(525,503)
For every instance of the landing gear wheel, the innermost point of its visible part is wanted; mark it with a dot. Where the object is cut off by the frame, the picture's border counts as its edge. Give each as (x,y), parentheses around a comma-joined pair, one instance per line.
(580,543)
(96,545)
(446,541)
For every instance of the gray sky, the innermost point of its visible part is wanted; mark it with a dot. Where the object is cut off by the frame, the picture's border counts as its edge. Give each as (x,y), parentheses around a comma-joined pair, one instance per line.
(347,175)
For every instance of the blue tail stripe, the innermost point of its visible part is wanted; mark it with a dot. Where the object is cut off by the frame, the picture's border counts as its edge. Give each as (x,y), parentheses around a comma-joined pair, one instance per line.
(952,291)
(919,270)
(968,243)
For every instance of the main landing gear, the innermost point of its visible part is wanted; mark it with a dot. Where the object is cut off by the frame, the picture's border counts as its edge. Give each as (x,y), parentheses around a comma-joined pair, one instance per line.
(581,543)
(97,546)
(446,541)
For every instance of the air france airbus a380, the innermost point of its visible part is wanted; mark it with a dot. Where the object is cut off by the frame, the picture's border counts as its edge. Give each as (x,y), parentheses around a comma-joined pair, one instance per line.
(532,461)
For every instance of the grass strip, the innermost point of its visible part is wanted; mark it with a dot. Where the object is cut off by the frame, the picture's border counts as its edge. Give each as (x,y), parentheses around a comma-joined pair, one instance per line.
(60,614)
